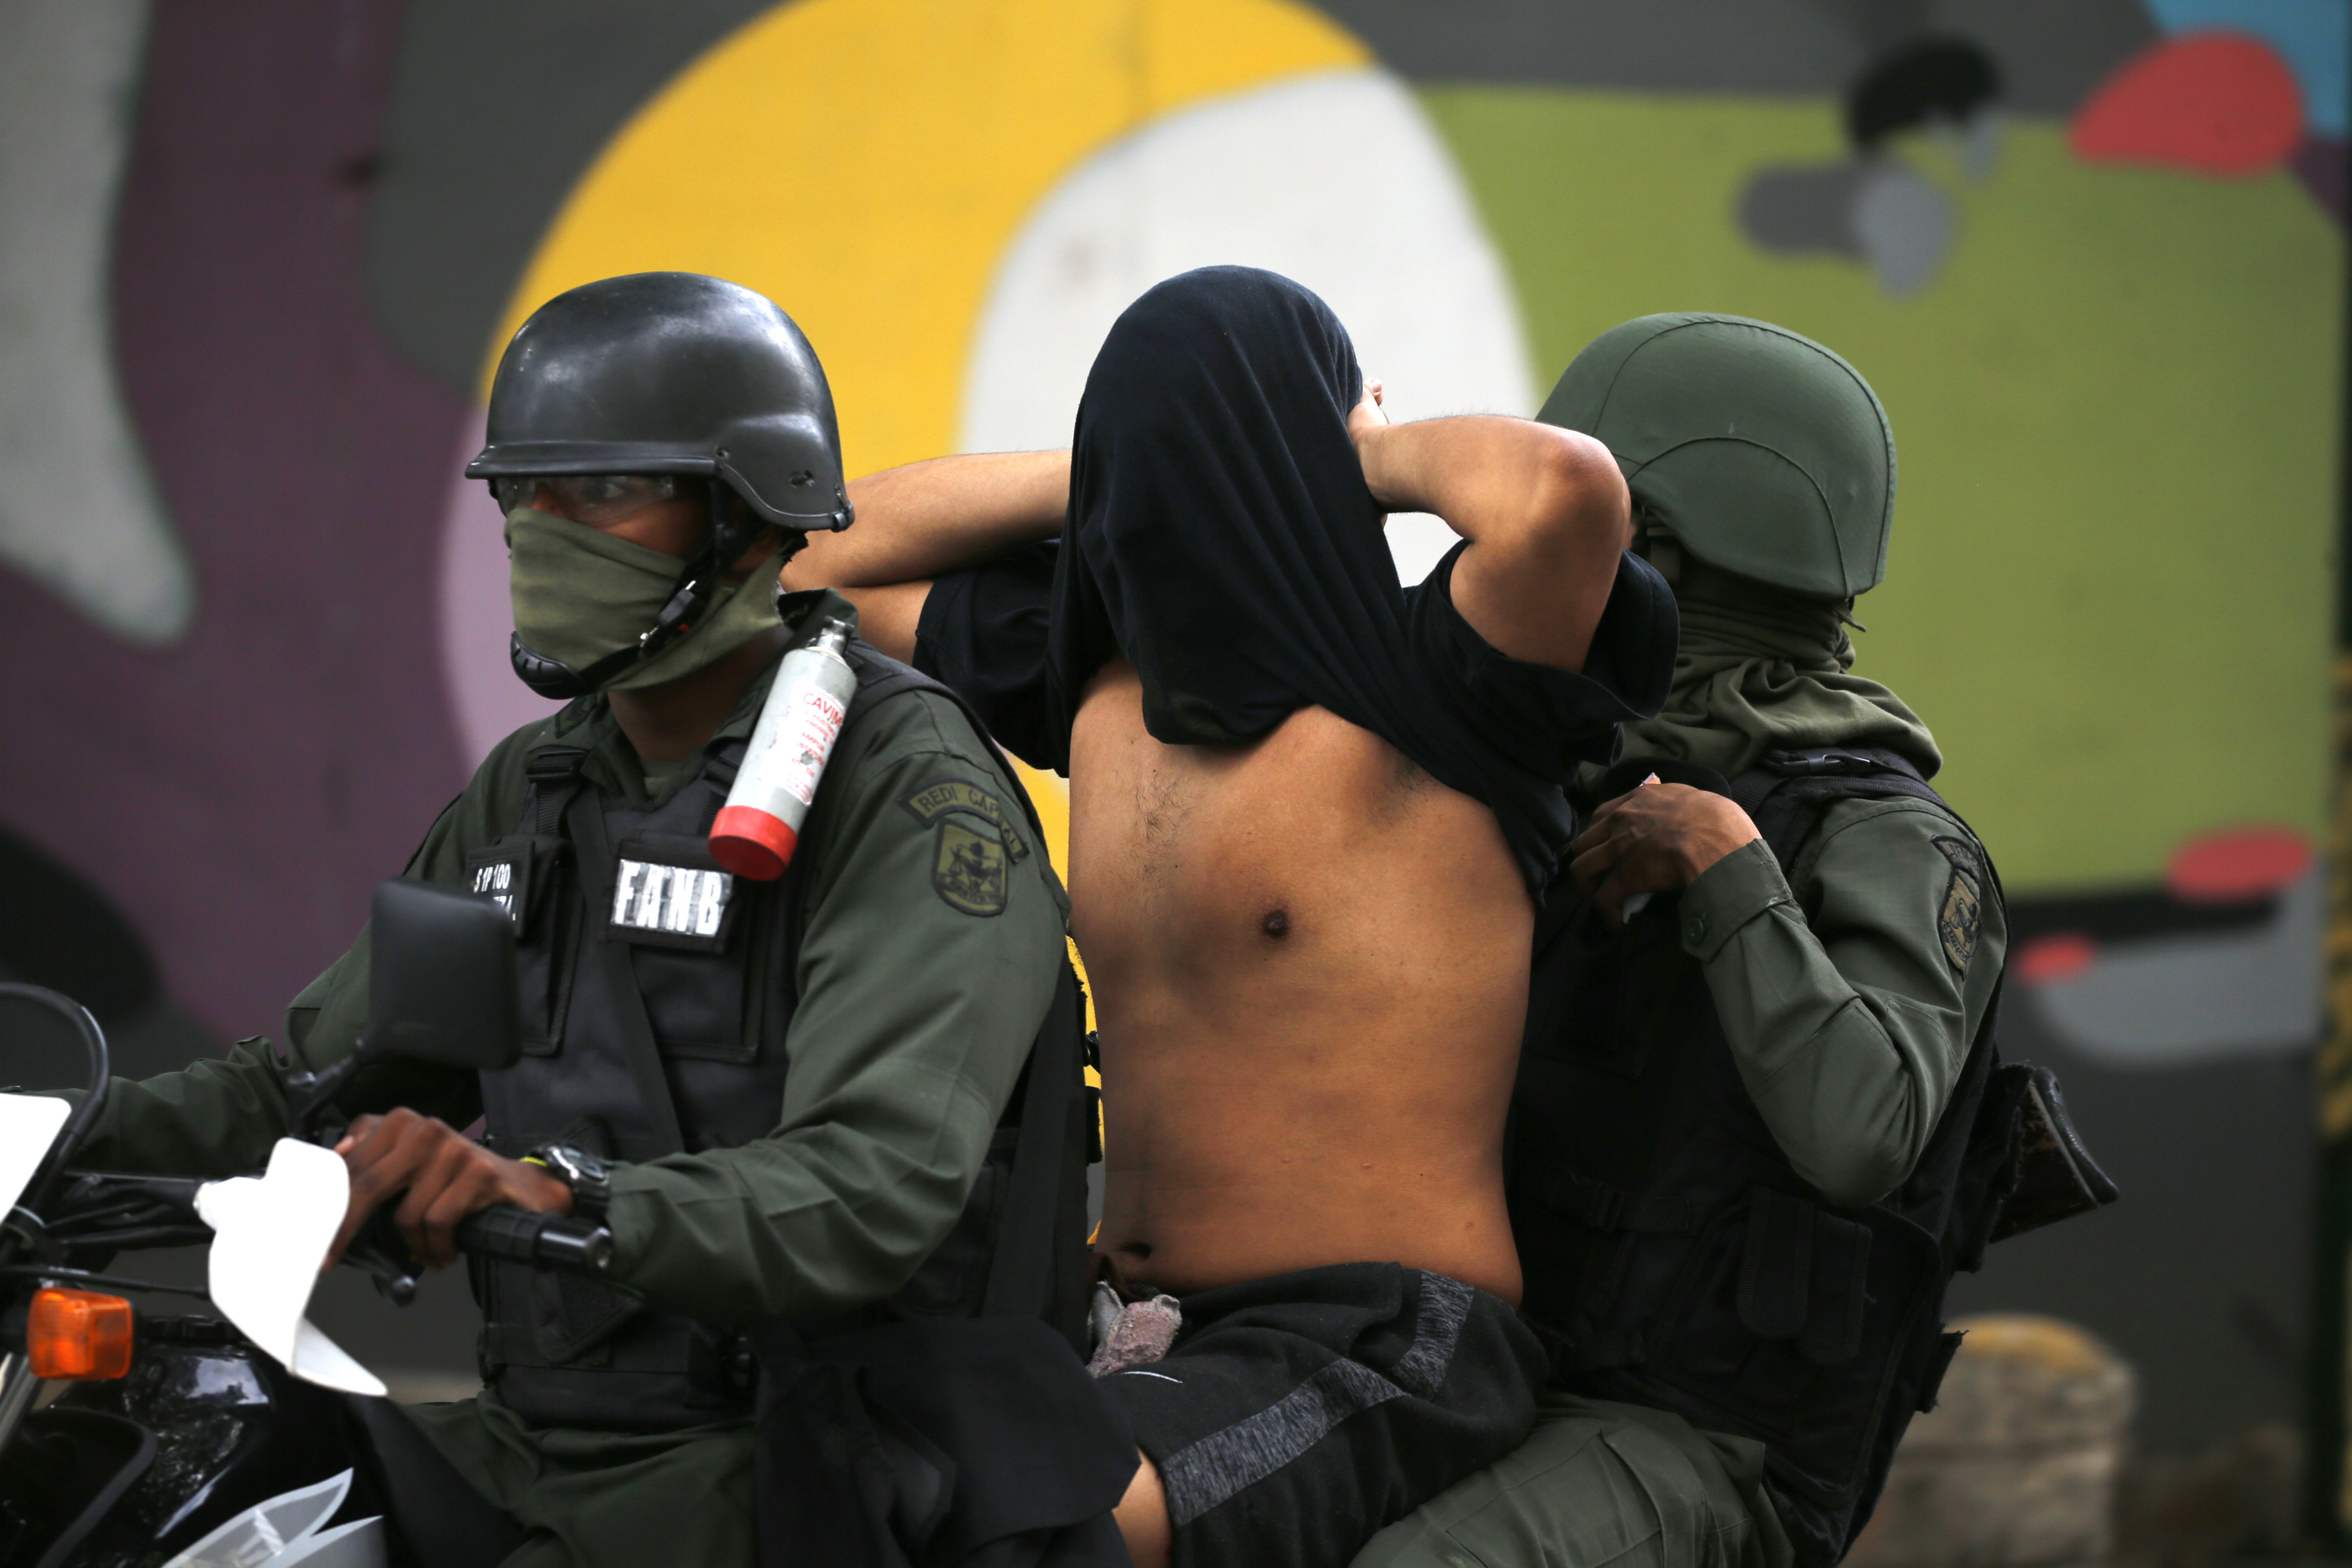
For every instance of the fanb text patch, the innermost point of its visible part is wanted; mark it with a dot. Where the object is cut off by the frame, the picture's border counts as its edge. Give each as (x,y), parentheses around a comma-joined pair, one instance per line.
(673,905)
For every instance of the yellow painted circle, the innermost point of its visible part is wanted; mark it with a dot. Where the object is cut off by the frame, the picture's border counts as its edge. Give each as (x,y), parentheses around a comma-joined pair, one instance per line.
(866,162)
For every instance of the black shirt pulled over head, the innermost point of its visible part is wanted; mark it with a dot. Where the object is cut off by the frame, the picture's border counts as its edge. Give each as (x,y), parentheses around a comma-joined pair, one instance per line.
(1221,536)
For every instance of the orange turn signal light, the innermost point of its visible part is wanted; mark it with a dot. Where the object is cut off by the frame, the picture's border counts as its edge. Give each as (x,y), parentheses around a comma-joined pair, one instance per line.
(79,1335)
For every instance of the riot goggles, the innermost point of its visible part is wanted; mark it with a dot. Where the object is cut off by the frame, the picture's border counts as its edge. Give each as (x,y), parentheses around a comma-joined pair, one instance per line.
(599,500)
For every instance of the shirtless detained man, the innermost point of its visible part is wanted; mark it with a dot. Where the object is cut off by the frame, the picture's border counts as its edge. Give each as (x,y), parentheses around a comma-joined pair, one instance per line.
(1306,810)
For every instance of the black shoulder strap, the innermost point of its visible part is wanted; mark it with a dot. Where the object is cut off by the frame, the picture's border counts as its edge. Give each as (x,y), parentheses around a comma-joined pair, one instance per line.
(1022,1273)
(881,677)
(1783,793)
(585,818)
(551,776)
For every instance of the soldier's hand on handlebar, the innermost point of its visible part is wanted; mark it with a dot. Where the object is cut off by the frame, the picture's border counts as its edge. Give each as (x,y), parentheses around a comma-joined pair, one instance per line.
(439,1177)
(1657,838)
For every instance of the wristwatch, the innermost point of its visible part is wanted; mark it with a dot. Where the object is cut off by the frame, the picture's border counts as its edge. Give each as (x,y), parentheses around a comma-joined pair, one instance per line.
(583,1173)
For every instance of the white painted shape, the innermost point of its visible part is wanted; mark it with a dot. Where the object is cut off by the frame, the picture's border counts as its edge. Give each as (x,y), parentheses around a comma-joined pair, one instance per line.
(259,1534)
(270,1234)
(2168,1001)
(79,510)
(29,1126)
(490,702)
(1335,179)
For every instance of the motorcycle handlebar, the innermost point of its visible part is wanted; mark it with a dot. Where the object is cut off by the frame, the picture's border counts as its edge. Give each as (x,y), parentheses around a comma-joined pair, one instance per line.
(547,1240)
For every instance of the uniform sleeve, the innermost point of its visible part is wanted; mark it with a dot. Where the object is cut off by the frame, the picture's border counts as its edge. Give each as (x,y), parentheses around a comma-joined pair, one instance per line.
(982,632)
(1851,1028)
(934,938)
(1547,719)
(220,1117)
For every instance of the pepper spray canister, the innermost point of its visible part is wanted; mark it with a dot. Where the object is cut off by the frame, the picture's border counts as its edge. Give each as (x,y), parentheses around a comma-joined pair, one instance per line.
(756,832)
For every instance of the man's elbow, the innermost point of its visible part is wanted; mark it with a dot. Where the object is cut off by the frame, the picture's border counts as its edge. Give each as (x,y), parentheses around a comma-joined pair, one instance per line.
(1581,509)
(887,1244)
(1859,1186)
(1861,1173)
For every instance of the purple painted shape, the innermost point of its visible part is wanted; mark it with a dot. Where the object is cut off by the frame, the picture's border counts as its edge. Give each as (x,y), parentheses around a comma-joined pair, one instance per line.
(239,794)
(2319,163)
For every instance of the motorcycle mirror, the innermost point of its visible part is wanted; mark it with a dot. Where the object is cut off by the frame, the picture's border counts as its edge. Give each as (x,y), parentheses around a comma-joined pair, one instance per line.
(441,984)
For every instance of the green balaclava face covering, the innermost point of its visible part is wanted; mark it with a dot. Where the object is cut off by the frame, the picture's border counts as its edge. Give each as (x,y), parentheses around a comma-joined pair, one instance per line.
(581,593)
(1758,670)
(1768,462)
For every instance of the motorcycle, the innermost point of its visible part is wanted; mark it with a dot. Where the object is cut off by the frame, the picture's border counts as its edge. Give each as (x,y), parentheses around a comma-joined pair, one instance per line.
(243,1437)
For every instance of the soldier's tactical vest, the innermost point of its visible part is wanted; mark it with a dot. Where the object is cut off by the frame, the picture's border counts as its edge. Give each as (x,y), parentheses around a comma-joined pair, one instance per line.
(658,989)
(1666,1241)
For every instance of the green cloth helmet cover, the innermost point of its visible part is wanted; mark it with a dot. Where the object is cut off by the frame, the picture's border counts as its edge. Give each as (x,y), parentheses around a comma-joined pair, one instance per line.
(1763,453)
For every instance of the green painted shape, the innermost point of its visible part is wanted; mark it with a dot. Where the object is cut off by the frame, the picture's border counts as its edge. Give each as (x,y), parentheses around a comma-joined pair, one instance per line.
(2110,584)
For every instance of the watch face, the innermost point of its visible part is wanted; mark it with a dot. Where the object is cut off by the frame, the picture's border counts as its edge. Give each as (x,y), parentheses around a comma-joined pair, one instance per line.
(572,1165)
(583,1173)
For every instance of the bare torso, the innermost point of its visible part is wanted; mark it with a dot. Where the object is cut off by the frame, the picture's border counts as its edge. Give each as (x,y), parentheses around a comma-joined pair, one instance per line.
(1310,961)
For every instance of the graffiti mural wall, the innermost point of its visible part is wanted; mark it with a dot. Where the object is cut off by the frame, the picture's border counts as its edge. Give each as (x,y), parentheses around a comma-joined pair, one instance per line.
(259,257)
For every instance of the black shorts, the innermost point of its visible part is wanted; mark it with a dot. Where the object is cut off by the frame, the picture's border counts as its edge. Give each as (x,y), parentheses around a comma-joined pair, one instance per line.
(1298,1415)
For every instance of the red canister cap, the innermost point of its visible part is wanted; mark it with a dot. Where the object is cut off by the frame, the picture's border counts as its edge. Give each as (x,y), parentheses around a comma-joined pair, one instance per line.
(751,843)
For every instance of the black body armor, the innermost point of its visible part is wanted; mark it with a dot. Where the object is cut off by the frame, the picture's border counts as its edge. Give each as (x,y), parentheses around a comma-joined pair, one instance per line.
(658,989)
(1666,1239)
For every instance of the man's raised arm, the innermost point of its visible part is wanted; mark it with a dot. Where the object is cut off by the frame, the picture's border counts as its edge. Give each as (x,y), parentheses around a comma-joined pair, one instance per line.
(918,521)
(1545,510)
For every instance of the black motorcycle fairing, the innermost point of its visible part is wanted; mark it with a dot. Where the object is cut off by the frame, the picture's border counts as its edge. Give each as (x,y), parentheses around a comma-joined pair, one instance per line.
(66,1468)
(231,1428)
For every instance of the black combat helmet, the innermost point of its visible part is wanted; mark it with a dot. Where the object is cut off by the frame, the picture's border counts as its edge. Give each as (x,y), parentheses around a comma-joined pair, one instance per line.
(669,373)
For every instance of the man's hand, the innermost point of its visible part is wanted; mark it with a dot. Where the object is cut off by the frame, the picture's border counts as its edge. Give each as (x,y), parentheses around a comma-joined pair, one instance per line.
(443,1178)
(1654,839)
(1365,421)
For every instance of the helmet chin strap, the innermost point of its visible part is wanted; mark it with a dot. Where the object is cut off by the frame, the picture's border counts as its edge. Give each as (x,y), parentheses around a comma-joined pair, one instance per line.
(735,525)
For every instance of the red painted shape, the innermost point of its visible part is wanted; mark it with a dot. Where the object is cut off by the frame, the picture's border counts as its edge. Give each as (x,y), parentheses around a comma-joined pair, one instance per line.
(2239,865)
(2061,955)
(2213,103)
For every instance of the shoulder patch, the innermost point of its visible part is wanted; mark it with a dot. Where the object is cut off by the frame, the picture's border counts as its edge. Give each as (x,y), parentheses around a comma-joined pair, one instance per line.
(960,796)
(1957,921)
(1963,856)
(969,870)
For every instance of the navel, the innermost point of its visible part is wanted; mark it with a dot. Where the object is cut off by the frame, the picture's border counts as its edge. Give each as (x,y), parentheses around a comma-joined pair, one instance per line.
(1277,923)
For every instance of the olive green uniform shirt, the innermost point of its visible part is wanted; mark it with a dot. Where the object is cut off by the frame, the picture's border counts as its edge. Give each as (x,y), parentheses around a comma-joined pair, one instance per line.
(914,1017)
(1851,987)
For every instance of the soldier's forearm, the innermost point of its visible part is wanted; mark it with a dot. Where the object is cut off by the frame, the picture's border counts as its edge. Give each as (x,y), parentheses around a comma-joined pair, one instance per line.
(1843,1077)
(792,1229)
(215,1118)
